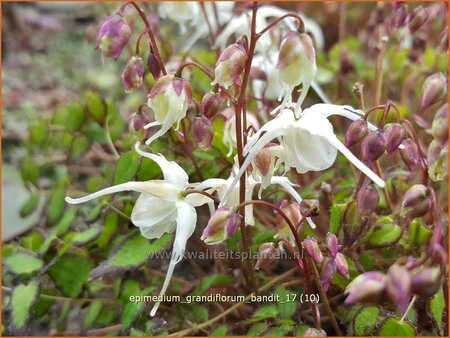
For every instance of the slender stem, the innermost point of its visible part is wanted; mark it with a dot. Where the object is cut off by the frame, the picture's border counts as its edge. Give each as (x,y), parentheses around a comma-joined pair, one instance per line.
(411,303)
(436,217)
(138,41)
(109,140)
(208,23)
(153,45)
(301,24)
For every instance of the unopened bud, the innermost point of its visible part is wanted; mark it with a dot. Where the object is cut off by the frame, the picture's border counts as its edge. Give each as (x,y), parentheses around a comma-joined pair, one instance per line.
(366,288)
(138,121)
(113,34)
(356,132)
(312,332)
(133,74)
(292,211)
(153,65)
(203,132)
(439,127)
(434,90)
(327,272)
(395,134)
(368,199)
(230,66)
(342,265)
(222,225)
(311,206)
(313,250)
(410,153)
(267,254)
(416,202)
(417,18)
(373,146)
(210,104)
(398,286)
(426,282)
(398,17)
(437,159)
(332,244)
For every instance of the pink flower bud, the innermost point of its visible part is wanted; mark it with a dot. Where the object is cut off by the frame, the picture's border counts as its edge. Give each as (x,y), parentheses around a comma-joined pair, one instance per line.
(417,18)
(153,65)
(367,199)
(373,146)
(416,202)
(439,127)
(222,225)
(398,286)
(366,288)
(113,34)
(410,154)
(434,90)
(230,66)
(313,250)
(203,132)
(356,132)
(267,254)
(210,104)
(342,265)
(311,206)
(138,121)
(332,244)
(133,74)
(425,282)
(395,134)
(292,211)
(327,272)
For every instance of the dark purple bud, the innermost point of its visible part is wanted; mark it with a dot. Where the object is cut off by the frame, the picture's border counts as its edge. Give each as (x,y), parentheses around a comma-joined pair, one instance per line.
(426,282)
(439,127)
(222,225)
(434,90)
(210,104)
(366,288)
(267,254)
(313,250)
(398,286)
(410,154)
(332,244)
(346,64)
(203,132)
(327,272)
(113,34)
(395,134)
(416,202)
(398,17)
(138,121)
(356,132)
(368,199)
(342,265)
(133,74)
(311,206)
(153,65)
(373,146)
(417,18)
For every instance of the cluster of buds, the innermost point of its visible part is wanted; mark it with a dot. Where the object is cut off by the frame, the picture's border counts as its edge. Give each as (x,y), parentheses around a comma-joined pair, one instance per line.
(113,34)
(335,263)
(133,74)
(416,202)
(267,254)
(222,225)
(230,66)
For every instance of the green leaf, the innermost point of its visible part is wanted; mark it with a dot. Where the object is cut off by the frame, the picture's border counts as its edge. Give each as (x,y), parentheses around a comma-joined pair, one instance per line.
(264,312)
(280,331)
(393,327)
(59,229)
(199,313)
(86,236)
(335,218)
(69,274)
(42,305)
(39,132)
(57,204)
(365,320)
(22,263)
(92,314)
(30,205)
(384,235)
(286,308)
(351,223)
(148,170)
(79,146)
(126,167)
(418,234)
(75,117)
(33,241)
(96,106)
(219,331)
(22,299)
(213,280)
(29,171)
(257,329)
(132,310)
(131,253)
(436,307)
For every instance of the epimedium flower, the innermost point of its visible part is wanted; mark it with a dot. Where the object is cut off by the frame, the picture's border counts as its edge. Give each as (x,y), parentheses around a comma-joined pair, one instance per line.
(160,208)
(222,225)
(113,34)
(309,143)
(169,99)
(230,66)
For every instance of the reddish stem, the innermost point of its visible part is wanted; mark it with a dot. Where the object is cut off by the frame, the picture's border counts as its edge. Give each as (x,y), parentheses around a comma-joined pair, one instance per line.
(301,24)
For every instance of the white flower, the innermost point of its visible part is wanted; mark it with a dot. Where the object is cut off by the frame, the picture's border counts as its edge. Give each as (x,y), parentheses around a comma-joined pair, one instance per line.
(169,99)
(160,208)
(268,88)
(309,143)
(183,13)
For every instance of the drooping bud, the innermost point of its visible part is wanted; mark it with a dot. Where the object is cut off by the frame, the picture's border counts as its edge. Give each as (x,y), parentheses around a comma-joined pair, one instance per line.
(398,286)
(203,132)
(332,244)
(133,74)
(395,134)
(366,288)
(410,153)
(368,199)
(342,265)
(327,272)
(356,132)
(311,206)
(434,90)
(210,104)
(416,202)
(230,66)
(264,165)
(417,18)
(267,254)
(138,121)
(373,146)
(222,225)
(153,65)
(426,282)
(437,158)
(113,34)
(313,250)
(292,211)
(439,127)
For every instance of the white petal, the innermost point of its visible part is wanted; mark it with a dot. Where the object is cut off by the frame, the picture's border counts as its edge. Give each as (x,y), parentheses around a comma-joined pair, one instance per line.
(197,200)
(349,112)
(209,183)
(186,221)
(152,124)
(172,172)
